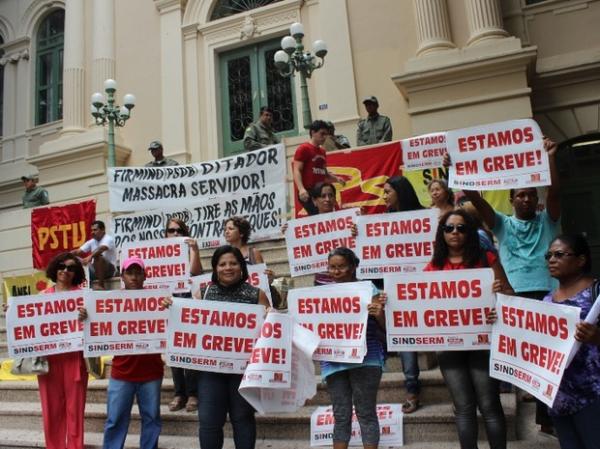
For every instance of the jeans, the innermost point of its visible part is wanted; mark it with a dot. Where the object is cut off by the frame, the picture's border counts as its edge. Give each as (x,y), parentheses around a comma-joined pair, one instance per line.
(467,375)
(219,396)
(120,401)
(356,386)
(185,382)
(579,430)
(410,368)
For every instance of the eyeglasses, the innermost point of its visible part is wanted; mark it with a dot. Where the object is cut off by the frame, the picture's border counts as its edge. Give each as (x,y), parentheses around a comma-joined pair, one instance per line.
(450,228)
(557,254)
(69,268)
(174,230)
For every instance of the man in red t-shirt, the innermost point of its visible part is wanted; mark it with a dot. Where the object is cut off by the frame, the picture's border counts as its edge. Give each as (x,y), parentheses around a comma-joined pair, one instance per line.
(310,165)
(138,376)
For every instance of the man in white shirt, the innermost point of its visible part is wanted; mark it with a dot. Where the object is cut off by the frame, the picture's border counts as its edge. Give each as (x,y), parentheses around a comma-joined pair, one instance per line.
(103,257)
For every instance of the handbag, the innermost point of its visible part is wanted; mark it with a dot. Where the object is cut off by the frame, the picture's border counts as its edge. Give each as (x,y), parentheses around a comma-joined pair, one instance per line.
(30,365)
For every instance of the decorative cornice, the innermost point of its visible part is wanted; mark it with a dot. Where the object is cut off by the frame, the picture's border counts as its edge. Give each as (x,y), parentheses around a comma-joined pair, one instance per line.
(166,6)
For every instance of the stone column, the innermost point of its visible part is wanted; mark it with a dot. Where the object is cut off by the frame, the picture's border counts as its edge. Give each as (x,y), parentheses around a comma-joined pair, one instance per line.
(103,43)
(433,26)
(485,21)
(10,104)
(172,91)
(73,68)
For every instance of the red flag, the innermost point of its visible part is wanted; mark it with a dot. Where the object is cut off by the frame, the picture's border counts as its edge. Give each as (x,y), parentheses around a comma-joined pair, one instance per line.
(365,170)
(59,229)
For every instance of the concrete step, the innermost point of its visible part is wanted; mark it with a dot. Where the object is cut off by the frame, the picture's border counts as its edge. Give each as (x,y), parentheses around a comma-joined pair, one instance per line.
(430,423)
(26,439)
(391,390)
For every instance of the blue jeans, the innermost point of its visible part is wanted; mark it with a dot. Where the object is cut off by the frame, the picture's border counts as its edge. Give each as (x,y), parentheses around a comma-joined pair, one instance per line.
(579,430)
(120,401)
(410,368)
(219,395)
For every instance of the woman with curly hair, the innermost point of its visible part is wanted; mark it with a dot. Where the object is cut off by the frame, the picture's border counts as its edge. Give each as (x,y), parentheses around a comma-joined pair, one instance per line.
(442,197)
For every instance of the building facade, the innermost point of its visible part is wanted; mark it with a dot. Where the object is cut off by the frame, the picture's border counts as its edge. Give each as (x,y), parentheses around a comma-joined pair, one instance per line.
(201,69)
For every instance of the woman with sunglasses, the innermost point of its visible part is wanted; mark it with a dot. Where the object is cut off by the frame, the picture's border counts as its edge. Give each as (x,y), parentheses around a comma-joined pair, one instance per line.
(577,405)
(356,384)
(63,389)
(467,372)
(185,381)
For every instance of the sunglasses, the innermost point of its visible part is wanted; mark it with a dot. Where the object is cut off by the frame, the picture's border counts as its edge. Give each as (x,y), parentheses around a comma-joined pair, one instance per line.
(174,230)
(450,228)
(557,254)
(69,268)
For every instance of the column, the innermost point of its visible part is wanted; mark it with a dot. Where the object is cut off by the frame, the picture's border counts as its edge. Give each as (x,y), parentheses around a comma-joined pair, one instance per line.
(172,91)
(10,106)
(433,26)
(485,21)
(103,43)
(73,68)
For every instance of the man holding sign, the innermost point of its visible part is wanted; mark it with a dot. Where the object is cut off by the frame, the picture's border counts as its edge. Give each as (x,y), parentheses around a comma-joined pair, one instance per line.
(138,376)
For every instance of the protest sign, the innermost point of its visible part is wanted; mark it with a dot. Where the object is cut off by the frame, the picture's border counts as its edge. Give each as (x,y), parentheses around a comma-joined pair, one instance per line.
(24,285)
(309,240)
(390,418)
(592,318)
(125,322)
(44,324)
(364,171)
(439,310)
(424,152)
(212,335)
(277,398)
(337,313)
(256,277)
(531,341)
(166,260)
(395,242)
(147,188)
(59,229)
(264,210)
(504,155)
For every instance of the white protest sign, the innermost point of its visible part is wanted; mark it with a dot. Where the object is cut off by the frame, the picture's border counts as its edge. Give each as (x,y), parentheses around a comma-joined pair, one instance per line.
(338,314)
(390,418)
(275,397)
(166,261)
(399,242)
(256,277)
(147,188)
(530,344)
(125,322)
(504,155)
(44,324)
(439,310)
(264,210)
(212,336)
(425,151)
(309,240)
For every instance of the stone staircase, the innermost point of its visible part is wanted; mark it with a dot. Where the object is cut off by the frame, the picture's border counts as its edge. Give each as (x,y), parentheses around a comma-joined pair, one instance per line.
(431,427)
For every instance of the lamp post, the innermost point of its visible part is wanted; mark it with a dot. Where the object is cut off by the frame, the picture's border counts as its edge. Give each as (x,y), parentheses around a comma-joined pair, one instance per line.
(293,59)
(108,112)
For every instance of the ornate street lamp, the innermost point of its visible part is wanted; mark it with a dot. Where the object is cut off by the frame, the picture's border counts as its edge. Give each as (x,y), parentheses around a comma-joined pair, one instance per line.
(293,59)
(108,112)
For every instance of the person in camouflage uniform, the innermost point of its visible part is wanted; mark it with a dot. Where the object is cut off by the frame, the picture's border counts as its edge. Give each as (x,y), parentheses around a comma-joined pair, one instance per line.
(375,128)
(34,195)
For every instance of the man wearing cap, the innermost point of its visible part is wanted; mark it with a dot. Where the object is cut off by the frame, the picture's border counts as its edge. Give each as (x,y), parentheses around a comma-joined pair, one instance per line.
(103,257)
(260,133)
(375,128)
(160,160)
(132,376)
(34,195)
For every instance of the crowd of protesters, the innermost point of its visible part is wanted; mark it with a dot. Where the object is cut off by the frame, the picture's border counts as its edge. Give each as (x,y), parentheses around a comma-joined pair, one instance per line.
(527,258)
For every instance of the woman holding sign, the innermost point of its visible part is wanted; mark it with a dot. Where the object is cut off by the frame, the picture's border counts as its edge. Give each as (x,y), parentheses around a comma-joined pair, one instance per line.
(577,405)
(467,372)
(63,389)
(185,381)
(356,384)
(219,392)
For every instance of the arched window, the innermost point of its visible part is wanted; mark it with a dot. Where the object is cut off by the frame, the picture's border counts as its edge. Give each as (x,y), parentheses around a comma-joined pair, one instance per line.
(49,68)
(226,8)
